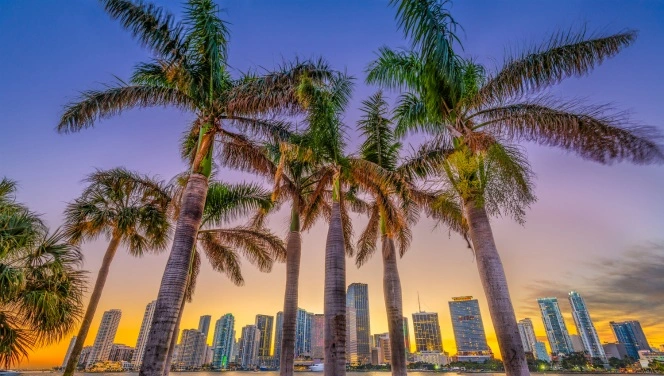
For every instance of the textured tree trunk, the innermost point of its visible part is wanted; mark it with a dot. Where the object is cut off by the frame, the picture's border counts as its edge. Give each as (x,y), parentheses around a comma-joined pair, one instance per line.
(335,297)
(174,340)
(293,253)
(92,305)
(174,280)
(497,294)
(393,306)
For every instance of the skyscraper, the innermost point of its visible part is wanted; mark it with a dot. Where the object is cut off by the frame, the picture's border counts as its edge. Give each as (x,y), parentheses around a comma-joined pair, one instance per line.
(318,336)
(406,335)
(577,343)
(556,330)
(540,352)
(278,334)
(222,341)
(303,332)
(193,350)
(69,350)
(384,346)
(630,334)
(351,337)
(146,324)
(105,337)
(120,353)
(264,324)
(249,343)
(527,333)
(585,327)
(427,332)
(468,328)
(204,325)
(357,297)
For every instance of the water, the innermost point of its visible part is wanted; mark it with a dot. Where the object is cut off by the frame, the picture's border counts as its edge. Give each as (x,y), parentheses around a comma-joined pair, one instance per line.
(372,373)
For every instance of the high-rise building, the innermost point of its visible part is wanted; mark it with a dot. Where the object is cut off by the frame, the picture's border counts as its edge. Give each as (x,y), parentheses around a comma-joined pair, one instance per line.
(427,332)
(615,350)
(556,330)
(303,333)
(121,353)
(249,343)
(577,343)
(264,324)
(468,329)
(278,335)
(204,325)
(406,335)
(630,334)
(318,337)
(585,327)
(222,341)
(143,333)
(527,333)
(540,352)
(85,355)
(357,297)
(69,350)
(385,351)
(351,336)
(193,350)
(105,337)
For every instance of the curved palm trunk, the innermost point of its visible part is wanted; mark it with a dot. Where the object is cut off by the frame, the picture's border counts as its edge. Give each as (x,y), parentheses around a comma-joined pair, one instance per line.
(393,306)
(293,253)
(174,280)
(92,305)
(174,340)
(495,287)
(335,296)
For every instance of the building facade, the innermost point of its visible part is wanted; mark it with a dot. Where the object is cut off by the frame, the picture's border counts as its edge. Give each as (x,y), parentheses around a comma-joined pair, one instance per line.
(70,348)
(121,353)
(577,343)
(222,341)
(249,344)
(265,323)
(303,333)
(143,333)
(278,335)
(406,335)
(318,337)
(351,337)
(556,330)
(192,351)
(468,328)
(540,352)
(426,328)
(357,297)
(204,325)
(630,334)
(527,333)
(615,350)
(585,327)
(101,348)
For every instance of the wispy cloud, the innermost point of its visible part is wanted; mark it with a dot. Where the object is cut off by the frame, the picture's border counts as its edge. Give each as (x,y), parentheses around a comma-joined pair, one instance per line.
(628,287)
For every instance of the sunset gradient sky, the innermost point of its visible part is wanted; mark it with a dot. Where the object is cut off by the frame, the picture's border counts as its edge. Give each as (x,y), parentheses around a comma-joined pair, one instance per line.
(595,229)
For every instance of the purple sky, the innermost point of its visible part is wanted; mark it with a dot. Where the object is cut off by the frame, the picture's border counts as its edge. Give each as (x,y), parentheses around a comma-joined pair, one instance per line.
(595,229)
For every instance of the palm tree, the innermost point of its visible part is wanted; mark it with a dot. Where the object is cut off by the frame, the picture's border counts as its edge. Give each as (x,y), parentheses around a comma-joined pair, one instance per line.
(390,220)
(223,246)
(189,72)
(473,117)
(41,286)
(127,209)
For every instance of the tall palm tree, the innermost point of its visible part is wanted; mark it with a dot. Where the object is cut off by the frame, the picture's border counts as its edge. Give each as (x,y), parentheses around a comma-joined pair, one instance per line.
(41,286)
(126,208)
(224,246)
(189,72)
(473,117)
(390,220)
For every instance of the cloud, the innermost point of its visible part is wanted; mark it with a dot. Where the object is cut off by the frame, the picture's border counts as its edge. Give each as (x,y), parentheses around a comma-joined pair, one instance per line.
(628,287)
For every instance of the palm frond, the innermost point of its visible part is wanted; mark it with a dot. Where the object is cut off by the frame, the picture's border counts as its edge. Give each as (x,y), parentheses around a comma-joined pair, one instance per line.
(379,144)
(223,259)
(412,115)
(347,227)
(366,244)
(94,105)
(228,202)
(15,342)
(154,27)
(565,54)
(592,132)
(259,246)
(194,270)
(397,70)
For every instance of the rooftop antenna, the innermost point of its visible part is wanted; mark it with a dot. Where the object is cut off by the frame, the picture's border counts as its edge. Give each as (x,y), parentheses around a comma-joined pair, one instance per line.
(419,306)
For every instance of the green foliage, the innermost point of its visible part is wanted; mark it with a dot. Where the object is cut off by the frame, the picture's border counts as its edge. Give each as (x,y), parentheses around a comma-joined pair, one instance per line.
(41,286)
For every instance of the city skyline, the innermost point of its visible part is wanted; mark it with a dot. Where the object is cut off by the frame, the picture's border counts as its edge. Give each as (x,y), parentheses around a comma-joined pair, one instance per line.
(599,250)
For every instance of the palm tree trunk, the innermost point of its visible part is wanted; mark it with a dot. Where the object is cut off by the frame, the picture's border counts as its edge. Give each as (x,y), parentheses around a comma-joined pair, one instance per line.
(92,305)
(176,274)
(335,296)
(495,287)
(293,253)
(174,340)
(393,306)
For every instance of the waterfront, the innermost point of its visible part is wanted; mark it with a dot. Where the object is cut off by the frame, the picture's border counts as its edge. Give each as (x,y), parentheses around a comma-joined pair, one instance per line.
(372,373)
